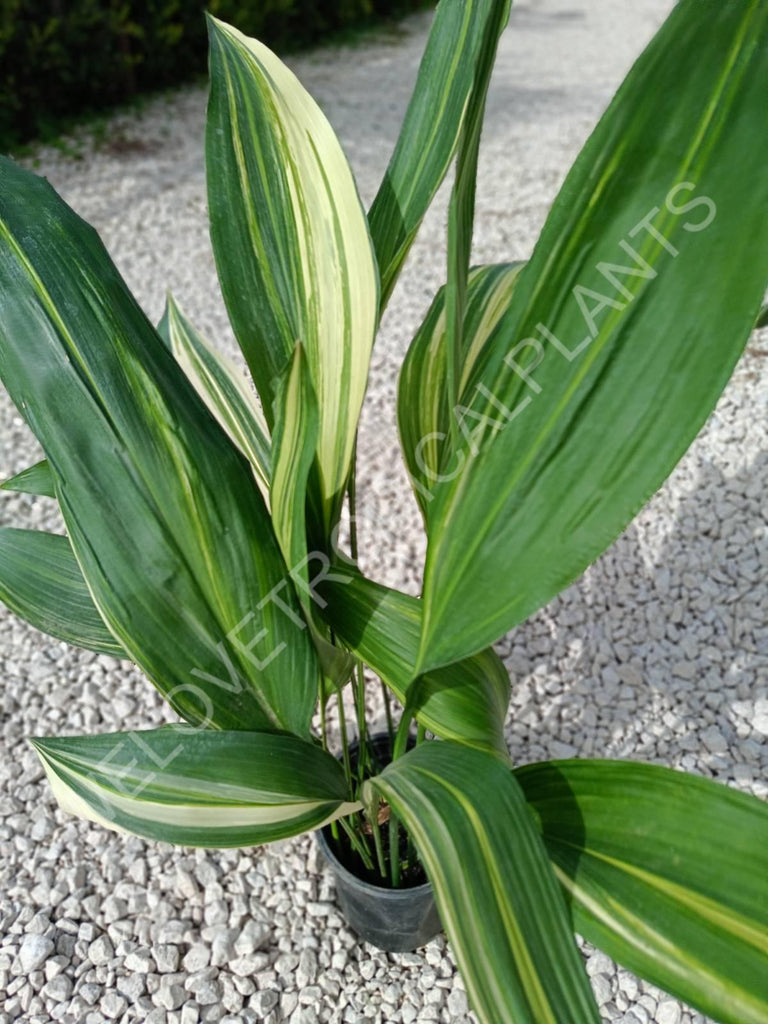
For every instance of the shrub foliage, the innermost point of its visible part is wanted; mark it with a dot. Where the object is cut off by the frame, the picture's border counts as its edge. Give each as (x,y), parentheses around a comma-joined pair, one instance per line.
(59,58)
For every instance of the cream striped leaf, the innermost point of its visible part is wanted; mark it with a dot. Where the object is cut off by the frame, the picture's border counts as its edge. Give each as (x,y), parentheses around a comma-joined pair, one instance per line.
(197,788)
(291,243)
(424,407)
(41,582)
(626,323)
(466,702)
(223,388)
(498,897)
(458,56)
(293,447)
(667,872)
(161,509)
(294,442)
(461,212)
(37,479)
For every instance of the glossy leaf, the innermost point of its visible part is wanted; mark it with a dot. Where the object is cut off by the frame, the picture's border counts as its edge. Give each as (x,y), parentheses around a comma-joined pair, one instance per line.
(498,897)
(223,388)
(36,479)
(196,788)
(626,324)
(162,511)
(465,702)
(423,408)
(291,242)
(41,582)
(666,872)
(456,52)
(461,210)
(293,450)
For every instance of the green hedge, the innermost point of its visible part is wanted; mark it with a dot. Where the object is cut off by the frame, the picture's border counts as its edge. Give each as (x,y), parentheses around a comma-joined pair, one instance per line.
(60,58)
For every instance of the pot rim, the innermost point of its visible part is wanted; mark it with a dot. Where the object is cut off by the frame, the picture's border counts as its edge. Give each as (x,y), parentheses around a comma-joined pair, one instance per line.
(394,895)
(382,891)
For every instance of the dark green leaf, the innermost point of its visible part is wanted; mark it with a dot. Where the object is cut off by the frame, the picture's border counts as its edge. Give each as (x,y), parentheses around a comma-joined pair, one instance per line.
(497,894)
(36,479)
(466,701)
(461,212)
(162,511)
(41,582)
(181,785)
(462,38)
(626,324)
(667,872)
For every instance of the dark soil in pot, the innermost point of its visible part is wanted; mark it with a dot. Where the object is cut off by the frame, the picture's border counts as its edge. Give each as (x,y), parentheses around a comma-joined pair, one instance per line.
(395,920)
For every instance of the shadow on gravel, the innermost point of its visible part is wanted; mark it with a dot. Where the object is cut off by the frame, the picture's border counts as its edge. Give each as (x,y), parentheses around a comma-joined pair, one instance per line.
(645,656)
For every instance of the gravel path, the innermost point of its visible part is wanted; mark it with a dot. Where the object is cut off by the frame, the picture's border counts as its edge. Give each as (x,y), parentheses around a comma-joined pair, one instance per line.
(659,652)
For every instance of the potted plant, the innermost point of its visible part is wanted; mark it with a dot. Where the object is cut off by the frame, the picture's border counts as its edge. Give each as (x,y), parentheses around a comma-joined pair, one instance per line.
(539,408)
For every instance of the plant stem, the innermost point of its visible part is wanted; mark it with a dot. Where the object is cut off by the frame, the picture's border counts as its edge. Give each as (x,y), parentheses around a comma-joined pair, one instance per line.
(344,738)
(421,732)
(323,724)
(324,735)
(403,732)
(362,725)
(359,690)
(353,830)
(357,843)
(394,850)
(400,747)
(376,828)
(388,710)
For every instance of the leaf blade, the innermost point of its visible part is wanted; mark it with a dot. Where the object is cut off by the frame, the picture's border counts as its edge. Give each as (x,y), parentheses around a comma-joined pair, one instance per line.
(496,892)
(611,416)
(223,389)
(160,508)
(35,479)
(466,702)
(431,127)
(423,405)
(291,242)
(181,785)
(41,582)
(293,450)
(627,841)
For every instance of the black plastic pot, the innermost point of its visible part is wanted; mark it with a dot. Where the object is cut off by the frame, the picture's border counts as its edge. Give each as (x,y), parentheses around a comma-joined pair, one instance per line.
(395,920)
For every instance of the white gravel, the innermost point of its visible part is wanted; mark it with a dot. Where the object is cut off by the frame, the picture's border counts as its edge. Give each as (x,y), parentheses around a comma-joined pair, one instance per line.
(660,652)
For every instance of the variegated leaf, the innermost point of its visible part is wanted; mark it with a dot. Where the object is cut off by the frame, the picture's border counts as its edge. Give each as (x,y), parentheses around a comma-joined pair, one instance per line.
(197,788)
(424,406)
(294,442)
(496,891)
(666,872)
(293,447)
(291,242)
(223,388)
(41,582)
(638,300)
(161,509)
